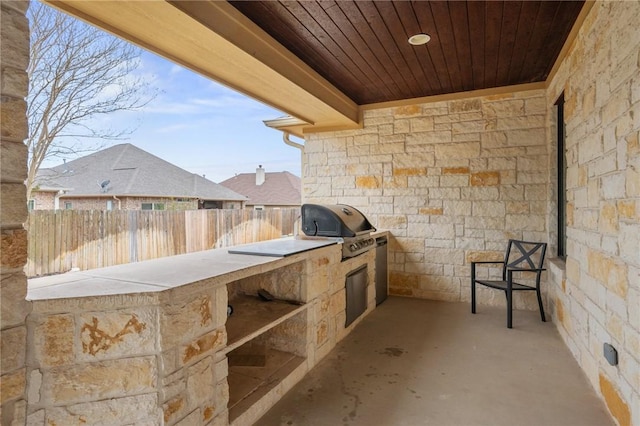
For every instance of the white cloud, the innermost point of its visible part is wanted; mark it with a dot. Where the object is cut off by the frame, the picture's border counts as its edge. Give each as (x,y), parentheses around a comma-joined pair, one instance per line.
(173,128)
(225,106)
(175,69)
(160,106)
(226,102)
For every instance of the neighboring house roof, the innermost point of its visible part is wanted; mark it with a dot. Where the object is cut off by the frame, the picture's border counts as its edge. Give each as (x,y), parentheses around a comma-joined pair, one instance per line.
(126,170)
(278,188)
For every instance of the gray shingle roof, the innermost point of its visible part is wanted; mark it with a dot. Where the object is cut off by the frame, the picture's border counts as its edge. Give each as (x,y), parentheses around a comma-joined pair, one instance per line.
(131,171)
(279,188)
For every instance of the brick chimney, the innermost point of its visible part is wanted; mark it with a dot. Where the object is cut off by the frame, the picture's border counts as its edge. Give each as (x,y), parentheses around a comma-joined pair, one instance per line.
(259,175)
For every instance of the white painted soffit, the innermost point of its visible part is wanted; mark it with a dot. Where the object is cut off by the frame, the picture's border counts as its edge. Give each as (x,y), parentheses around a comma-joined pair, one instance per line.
(213,39)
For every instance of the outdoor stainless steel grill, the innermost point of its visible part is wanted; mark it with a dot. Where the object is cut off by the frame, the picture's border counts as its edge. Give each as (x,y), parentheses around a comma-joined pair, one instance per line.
(339,221)
(354,230)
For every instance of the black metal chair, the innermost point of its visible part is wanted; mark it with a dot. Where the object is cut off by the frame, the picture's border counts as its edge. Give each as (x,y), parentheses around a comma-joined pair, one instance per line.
(521,257)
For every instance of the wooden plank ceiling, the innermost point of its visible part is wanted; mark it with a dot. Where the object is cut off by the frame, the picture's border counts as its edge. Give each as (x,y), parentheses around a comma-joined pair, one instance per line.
(361,46)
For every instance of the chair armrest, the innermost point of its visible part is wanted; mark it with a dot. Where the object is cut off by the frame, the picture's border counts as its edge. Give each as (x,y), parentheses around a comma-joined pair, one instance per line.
(510,272)
(509,268)
(479,262)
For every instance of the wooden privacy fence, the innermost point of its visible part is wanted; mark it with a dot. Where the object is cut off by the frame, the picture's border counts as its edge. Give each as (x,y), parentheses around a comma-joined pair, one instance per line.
(85,239)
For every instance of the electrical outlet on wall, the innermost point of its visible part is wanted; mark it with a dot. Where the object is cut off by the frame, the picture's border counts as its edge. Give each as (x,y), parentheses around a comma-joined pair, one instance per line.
(610,354)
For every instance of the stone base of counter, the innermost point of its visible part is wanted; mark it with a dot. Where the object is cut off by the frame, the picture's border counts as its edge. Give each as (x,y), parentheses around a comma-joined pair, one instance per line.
(162,357)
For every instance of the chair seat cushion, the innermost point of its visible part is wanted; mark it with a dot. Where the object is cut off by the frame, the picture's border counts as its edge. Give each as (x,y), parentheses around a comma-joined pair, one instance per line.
(502,285)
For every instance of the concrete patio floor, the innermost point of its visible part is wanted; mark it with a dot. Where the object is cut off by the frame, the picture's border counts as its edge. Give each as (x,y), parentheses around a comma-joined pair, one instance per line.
(419,362)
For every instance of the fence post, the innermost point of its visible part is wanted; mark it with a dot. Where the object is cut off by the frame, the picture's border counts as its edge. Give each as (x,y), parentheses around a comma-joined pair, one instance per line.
(133,235)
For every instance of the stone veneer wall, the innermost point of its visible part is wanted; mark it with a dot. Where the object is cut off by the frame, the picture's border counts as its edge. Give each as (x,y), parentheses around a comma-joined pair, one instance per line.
(141,359)
(451,180)
(14,50)
(596,299)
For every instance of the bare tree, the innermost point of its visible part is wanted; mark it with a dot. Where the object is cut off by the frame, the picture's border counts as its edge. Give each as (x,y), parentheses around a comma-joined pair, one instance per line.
(77,74)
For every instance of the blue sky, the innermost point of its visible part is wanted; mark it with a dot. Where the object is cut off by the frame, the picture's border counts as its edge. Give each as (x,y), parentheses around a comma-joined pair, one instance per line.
(204,127)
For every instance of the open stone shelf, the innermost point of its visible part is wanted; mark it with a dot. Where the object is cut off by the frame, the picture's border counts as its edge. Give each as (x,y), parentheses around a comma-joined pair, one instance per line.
(248,384)
(261,352)
(252,316)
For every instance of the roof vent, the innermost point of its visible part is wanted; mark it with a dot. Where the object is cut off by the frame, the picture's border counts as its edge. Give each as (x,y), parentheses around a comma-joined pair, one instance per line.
(259,175)
(104,185)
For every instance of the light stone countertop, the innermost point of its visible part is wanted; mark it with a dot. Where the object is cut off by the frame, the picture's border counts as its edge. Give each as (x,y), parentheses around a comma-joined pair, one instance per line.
(161,274)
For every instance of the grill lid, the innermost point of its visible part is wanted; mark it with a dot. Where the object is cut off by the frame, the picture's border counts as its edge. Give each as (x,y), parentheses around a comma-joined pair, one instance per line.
(334,220)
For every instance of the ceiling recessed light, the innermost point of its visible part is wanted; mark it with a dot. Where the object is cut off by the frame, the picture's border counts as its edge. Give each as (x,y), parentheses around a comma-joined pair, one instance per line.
(419,39)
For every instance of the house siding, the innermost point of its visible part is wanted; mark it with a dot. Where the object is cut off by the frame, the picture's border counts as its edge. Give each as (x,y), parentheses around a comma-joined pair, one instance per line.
(271,207)
(126,203)
(45,201)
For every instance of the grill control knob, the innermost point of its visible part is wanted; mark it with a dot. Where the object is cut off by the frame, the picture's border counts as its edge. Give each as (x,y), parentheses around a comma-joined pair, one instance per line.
(353,247)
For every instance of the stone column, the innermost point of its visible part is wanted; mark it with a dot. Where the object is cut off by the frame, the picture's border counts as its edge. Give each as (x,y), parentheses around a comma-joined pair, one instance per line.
(14,51)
